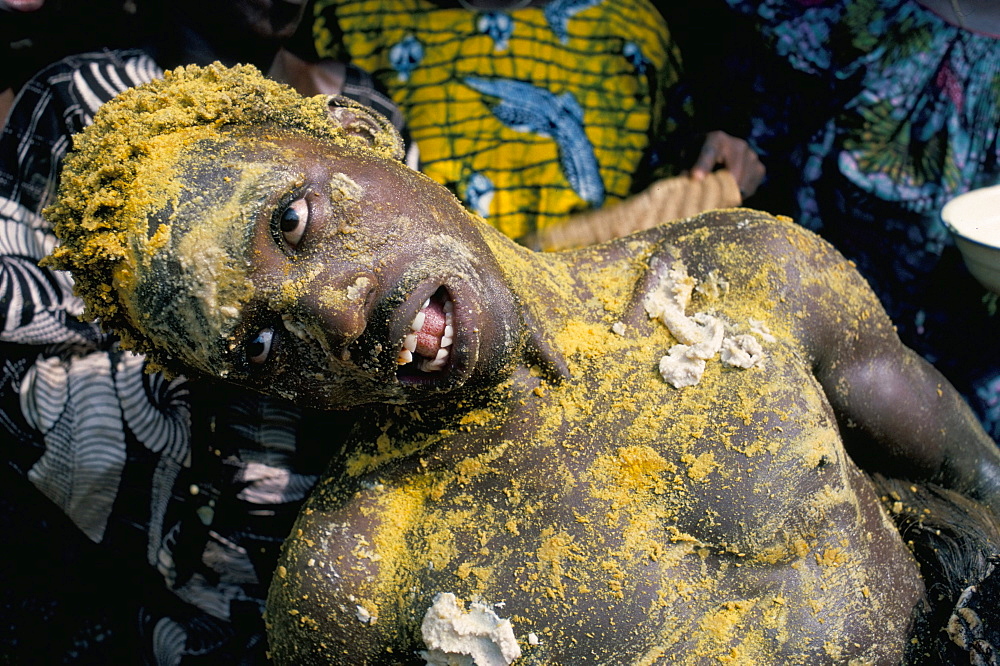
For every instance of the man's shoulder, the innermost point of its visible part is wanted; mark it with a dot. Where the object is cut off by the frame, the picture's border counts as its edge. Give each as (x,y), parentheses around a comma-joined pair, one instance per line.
(735,233)
(758,255)
(741,220)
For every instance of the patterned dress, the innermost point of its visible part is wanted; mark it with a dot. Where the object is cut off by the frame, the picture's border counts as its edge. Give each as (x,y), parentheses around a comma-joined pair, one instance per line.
(901,115)
(141,516)
(528,115)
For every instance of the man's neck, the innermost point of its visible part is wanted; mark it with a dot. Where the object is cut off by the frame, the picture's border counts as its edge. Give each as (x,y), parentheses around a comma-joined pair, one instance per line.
(539,300)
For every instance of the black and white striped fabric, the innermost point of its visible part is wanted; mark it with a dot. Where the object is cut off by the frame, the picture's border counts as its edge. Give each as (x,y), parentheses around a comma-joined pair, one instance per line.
(176,488)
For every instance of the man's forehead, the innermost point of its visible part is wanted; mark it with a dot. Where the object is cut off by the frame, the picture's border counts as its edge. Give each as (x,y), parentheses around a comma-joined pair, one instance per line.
(194,277)
(207,150)
(218,181)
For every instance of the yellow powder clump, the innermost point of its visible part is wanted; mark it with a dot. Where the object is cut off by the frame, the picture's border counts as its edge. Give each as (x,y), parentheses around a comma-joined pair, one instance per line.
(441,548)
(631,470)
(361,462)
(832,557)
(720,624)
(556,553)
(479,417)
(699,467)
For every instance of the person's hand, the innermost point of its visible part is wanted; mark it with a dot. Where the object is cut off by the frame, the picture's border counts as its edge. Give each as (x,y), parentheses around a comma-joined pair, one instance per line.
(736,155)
(21,5)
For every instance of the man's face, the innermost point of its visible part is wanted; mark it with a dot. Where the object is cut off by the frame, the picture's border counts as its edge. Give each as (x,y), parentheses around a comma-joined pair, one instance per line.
(363,280)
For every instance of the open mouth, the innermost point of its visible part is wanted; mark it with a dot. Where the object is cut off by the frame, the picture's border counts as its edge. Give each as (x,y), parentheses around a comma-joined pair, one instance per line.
(426,347)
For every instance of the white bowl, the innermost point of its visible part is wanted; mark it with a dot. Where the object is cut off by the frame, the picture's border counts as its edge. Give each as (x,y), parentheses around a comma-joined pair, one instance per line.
(974,220)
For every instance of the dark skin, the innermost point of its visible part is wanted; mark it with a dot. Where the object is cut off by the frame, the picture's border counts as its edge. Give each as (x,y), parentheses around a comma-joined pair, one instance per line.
(546,466)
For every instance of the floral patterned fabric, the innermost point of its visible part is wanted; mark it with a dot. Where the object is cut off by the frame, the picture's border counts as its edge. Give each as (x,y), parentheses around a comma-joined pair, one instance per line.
(527,115)
(905,109)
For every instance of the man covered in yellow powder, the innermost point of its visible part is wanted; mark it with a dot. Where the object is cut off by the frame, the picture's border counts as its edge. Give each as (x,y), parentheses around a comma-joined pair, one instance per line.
(664,449)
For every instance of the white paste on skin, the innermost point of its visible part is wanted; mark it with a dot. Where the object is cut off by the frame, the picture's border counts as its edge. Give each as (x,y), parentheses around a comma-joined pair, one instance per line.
(701,335)
(477,637)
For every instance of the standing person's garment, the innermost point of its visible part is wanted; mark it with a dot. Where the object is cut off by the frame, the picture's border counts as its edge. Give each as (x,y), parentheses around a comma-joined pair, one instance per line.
(30,40)
(143,516)
(527,115)
(901,115)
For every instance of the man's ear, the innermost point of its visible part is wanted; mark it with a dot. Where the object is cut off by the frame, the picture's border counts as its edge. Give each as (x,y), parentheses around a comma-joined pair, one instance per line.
(366,124)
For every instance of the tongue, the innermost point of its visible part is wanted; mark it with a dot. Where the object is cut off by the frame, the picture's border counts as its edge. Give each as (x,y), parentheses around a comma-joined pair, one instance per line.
(429,337)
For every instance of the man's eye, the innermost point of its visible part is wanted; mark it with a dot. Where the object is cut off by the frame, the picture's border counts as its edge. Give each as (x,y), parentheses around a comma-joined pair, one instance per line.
(259,348)
(293,222)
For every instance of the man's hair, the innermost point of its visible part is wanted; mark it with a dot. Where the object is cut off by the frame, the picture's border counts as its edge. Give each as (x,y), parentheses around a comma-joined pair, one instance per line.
(99,209)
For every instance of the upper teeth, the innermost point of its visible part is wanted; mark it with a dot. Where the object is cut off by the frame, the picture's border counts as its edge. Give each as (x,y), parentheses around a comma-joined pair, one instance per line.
(410,339)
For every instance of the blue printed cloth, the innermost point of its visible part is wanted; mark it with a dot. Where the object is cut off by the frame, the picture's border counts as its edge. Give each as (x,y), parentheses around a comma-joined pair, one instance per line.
(900,115)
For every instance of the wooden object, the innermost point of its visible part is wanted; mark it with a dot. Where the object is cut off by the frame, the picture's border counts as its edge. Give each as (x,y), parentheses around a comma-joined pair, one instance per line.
(665,200)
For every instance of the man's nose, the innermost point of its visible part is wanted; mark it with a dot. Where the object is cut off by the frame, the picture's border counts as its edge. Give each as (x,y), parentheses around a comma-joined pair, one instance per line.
(336,305)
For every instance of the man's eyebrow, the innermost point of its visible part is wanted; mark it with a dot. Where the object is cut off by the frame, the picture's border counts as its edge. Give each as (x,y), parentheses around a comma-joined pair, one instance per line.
(268,187)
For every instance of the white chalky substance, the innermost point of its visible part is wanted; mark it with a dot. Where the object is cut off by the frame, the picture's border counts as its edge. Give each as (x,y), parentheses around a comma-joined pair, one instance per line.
(477,637)
(679,368)
(702,336)
(760,328)
(741,351)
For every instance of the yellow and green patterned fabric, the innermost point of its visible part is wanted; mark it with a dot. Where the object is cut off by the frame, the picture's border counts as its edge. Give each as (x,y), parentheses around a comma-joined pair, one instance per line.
(527,115)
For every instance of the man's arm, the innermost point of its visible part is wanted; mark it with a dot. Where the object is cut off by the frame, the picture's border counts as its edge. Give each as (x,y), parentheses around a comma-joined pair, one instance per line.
(920,426)
(899,416)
